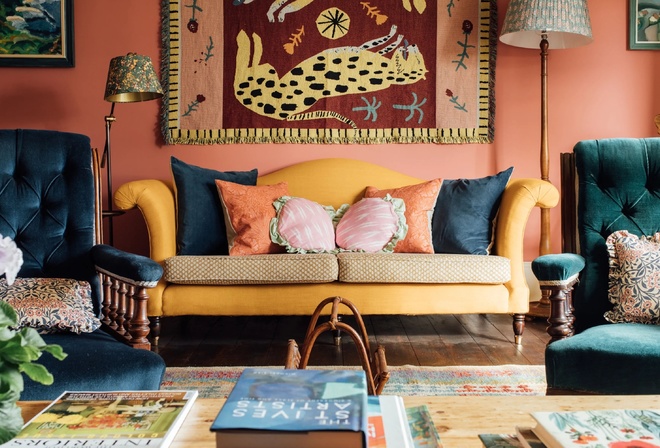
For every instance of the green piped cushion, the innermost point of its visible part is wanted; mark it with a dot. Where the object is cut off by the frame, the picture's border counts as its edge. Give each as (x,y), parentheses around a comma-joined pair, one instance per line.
(96,362)
(607,359)
(557,269)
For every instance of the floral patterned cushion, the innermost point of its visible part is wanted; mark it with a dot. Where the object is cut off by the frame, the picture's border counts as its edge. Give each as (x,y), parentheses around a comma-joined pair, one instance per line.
(51,304)
(634,278)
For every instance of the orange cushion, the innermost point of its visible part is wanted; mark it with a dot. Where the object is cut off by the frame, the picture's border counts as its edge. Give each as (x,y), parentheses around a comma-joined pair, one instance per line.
(420,201)
(248,211)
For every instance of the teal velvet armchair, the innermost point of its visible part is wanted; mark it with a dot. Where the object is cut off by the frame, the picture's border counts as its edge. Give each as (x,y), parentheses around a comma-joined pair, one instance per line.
(598,342)
(49,205)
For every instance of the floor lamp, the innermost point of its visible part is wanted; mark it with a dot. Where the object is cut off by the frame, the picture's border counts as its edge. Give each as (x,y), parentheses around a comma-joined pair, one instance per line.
(131,78)
(546,24)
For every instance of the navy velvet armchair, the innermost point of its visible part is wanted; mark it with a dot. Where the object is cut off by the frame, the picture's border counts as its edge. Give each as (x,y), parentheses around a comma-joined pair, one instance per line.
(50,206)
(605,323)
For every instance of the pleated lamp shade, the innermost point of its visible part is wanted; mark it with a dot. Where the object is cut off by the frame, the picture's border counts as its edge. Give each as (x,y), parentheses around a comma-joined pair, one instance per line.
(565,22)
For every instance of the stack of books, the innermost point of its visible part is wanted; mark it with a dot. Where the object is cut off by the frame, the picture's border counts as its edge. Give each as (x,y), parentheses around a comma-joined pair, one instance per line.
(282,408)
(587,429)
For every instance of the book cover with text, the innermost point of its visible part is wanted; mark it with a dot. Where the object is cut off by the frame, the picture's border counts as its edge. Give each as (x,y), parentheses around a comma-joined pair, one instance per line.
(290,407)
(114,419)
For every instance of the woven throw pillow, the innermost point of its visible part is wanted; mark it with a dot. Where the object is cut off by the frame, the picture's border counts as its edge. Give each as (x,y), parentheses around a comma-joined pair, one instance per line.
(464,214)
(303,226)
(634,278)
(372,225)
(248,211)
(420,200)
(51,305)
(200,226)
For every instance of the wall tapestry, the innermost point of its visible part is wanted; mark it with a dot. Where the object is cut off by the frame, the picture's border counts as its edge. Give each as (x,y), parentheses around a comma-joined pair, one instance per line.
(329,71)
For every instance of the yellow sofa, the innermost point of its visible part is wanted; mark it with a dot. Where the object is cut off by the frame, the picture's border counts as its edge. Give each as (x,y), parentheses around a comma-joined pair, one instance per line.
(336,182)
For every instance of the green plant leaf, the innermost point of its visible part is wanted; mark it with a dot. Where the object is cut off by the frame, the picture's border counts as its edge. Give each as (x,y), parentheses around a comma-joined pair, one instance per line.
(11,421)
(36,372)
(55,350)
(8,315)
(11,382)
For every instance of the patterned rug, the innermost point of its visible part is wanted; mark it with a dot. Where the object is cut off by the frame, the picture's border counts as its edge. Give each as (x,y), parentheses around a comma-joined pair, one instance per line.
(217,382)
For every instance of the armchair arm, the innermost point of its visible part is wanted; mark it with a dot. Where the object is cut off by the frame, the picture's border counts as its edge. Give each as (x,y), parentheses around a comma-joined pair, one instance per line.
(557,273)
(125,278)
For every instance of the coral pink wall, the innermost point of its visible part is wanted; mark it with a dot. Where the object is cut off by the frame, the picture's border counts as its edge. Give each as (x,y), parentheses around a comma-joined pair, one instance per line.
(597,91)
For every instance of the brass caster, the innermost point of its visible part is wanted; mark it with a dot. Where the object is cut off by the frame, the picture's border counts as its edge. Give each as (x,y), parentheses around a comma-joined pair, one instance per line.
(518,340)
(337,341)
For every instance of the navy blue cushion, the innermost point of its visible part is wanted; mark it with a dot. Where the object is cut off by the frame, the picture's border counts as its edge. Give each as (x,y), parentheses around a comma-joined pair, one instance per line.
(464,212)
(201,226)
(96,362)
(607,359)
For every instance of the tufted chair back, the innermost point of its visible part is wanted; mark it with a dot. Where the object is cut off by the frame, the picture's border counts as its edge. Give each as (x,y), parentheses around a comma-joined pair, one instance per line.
(618,189)
(48,202)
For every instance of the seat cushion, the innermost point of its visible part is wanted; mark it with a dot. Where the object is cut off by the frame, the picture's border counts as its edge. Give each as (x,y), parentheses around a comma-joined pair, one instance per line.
(422,268)
(251,269)
(96,362)
(607,359)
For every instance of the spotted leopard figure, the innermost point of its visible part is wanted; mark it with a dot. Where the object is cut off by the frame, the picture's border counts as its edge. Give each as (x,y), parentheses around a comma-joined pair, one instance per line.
(330,73)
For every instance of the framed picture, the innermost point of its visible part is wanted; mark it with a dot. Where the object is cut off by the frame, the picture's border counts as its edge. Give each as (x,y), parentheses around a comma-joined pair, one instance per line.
(36,35)
(644,25)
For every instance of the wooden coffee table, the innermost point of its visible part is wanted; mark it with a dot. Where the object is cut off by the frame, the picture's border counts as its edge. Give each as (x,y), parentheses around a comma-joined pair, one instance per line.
(459,420)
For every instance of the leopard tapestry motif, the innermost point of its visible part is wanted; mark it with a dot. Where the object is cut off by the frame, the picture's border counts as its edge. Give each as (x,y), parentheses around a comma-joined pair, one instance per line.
(329,71)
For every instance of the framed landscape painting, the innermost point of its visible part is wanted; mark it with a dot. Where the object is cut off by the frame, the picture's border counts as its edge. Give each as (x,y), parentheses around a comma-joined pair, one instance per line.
(36,33)
(644,25)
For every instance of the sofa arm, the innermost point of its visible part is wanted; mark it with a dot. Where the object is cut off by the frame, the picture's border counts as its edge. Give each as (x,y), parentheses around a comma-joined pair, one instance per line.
(155,199)
(519,199)
(557,273)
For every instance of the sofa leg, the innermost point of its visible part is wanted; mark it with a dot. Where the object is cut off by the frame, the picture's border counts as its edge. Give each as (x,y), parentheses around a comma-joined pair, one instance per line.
(154,329)
(518,328)
(336,333)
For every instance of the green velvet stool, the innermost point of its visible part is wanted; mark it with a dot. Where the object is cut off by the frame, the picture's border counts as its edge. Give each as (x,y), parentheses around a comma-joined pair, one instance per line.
(618,188)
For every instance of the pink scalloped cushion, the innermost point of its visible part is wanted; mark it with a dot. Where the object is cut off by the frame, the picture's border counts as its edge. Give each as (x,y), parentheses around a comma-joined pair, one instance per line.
(305,226)
(420,202)
(368,225)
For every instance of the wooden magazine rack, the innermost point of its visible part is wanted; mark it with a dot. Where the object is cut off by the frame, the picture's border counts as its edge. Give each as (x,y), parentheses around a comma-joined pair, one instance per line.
(374,364)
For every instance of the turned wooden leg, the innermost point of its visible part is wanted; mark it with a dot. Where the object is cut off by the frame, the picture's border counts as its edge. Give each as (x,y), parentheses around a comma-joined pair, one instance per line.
(561,317)
(518,328)
(154,326)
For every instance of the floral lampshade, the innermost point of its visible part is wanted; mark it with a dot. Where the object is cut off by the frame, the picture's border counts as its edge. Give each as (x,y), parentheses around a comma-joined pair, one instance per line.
(565,22)
(132,78)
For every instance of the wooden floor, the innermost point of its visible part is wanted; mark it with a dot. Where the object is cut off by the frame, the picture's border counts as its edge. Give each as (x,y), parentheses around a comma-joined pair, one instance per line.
(428,340)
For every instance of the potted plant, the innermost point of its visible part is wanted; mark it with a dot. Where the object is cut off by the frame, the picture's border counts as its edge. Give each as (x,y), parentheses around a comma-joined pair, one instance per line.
(19,349)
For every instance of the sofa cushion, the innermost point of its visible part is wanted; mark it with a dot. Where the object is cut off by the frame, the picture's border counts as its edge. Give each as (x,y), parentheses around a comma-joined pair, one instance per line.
(422,268)
(634,275)
(464,214)
(372,225)
(420,200)
(303,226)
(200,226)
(251,269)
(51,304)
(248,211)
